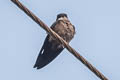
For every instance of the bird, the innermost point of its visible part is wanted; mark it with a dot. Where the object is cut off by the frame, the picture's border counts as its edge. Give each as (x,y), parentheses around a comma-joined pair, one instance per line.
(51,47)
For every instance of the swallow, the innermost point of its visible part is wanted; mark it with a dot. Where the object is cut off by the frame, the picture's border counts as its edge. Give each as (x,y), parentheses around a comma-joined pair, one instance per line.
(51,47)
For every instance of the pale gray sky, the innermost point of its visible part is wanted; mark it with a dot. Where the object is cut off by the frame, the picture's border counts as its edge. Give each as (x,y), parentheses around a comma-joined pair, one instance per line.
(97,38)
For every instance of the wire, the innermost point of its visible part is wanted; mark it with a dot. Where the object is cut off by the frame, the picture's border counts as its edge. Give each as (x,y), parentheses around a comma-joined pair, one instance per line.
(56,36)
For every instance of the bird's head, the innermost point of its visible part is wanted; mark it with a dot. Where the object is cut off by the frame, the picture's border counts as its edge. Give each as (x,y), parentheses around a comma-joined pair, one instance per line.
(61,16)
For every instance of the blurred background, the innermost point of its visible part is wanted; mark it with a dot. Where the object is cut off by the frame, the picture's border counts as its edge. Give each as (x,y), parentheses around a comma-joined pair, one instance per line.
(97,38)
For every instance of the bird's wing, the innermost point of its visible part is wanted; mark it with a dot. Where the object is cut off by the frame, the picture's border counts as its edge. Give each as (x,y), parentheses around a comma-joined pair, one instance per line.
(49,51)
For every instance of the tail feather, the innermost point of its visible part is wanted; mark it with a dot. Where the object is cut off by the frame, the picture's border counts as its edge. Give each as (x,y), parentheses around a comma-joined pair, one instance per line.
(47,54)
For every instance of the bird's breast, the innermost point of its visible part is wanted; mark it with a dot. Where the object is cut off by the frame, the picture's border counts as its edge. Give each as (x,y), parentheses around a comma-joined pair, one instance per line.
(65,30)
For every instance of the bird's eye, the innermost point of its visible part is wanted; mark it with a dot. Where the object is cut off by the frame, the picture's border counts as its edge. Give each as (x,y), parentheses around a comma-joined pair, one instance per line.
(58,16)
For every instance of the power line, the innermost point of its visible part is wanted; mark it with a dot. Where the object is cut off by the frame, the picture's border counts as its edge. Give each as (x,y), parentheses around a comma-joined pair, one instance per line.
(57,37)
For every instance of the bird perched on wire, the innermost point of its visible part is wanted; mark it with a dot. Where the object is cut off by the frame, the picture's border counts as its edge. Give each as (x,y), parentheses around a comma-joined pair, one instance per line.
(51,47)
